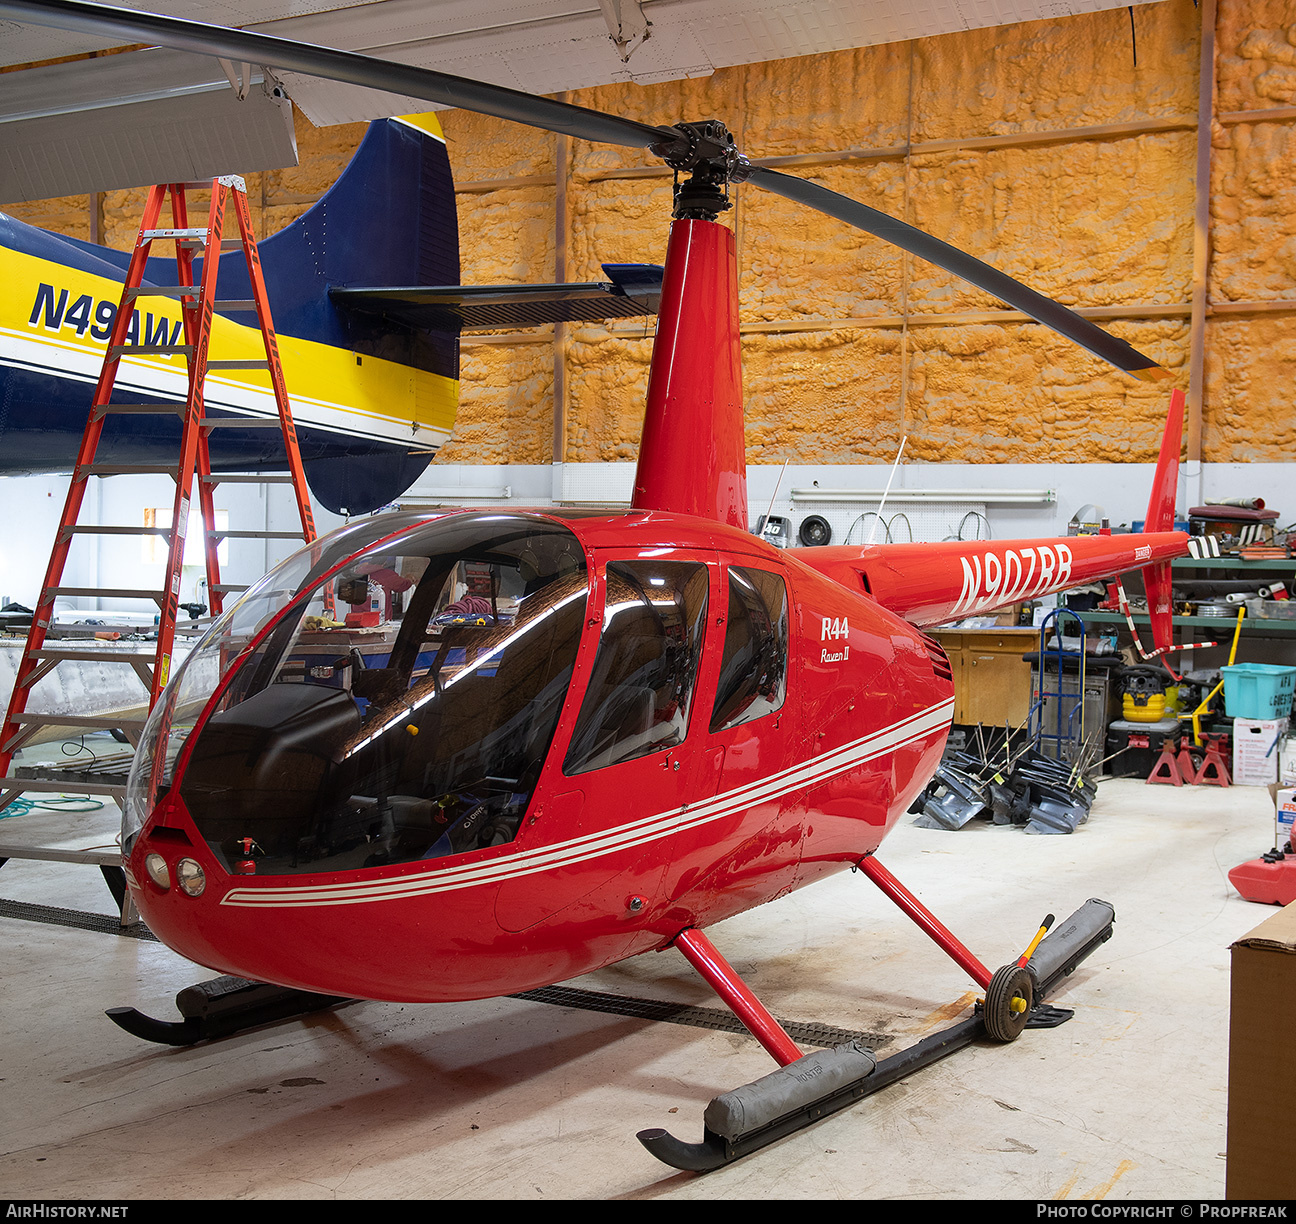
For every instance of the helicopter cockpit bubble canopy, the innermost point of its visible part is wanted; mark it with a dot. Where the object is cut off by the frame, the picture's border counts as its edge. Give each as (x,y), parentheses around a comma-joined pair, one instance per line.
(298,743)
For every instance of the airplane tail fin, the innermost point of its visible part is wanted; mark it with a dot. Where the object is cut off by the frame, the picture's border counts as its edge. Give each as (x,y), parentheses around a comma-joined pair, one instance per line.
(389,219)
(1160,517)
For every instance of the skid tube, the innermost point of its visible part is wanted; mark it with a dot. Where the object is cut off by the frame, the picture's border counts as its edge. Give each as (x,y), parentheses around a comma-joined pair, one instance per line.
(1055,959)
(220,1008)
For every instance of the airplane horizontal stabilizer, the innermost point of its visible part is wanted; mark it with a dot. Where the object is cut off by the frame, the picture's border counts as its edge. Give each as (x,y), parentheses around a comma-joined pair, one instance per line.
(630,291)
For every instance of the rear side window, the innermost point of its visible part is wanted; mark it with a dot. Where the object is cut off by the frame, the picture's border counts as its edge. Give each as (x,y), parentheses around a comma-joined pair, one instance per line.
(641,689)
(753,672)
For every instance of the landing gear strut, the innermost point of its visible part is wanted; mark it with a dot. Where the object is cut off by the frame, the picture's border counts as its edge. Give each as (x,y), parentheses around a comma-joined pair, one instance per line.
(808,1087)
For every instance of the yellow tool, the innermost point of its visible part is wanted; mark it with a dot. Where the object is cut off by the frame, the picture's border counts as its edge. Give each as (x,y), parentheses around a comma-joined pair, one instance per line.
(1201,709)
(1035,943)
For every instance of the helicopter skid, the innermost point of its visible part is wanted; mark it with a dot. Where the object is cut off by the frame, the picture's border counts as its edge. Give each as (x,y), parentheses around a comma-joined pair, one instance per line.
(803,1092)
(220,1008)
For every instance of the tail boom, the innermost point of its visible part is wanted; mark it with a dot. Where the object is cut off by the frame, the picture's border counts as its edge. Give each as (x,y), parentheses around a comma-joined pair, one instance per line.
(932,584)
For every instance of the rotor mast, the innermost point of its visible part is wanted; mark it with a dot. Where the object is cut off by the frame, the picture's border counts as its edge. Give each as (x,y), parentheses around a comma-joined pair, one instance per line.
(692,456)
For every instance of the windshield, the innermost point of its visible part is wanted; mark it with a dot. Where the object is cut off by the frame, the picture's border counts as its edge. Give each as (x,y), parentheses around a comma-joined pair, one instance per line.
(399,709)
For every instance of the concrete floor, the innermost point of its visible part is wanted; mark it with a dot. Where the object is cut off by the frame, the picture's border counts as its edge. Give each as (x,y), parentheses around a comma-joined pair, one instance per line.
(515,1099)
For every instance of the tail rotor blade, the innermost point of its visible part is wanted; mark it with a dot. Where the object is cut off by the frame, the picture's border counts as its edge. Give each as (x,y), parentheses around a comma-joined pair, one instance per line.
(1061,319)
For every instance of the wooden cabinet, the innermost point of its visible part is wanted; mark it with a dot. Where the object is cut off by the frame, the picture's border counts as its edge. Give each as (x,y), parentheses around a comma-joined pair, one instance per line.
(992,684)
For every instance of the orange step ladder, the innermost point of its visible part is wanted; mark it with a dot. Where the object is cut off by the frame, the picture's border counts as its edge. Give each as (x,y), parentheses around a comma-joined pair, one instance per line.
(198,305)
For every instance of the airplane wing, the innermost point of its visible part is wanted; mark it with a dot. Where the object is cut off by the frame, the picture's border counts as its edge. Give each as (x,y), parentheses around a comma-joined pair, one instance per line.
(144,114)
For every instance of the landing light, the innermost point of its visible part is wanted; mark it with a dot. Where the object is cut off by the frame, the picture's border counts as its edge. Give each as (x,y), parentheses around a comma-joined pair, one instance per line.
(189,875)
(156,867)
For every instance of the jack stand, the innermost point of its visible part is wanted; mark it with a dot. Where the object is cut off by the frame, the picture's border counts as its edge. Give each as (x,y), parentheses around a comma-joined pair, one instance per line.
(1166,769)
(1213,771)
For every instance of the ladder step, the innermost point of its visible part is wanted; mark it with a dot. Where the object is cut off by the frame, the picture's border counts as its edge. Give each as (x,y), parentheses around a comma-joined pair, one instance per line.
(95,858)
(105,593)
(117,351)
(102,410)
(79,720)
(224,587)
(171,291)
(242,422)
(251,478)
(249,364)
(69,786)
(128,469)
(236,304)
(193,232)
(194,244)
(71,654)
(255,535)
(157,531)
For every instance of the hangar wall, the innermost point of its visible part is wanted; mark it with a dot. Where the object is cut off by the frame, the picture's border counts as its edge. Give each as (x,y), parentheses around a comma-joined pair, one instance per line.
(1066,152)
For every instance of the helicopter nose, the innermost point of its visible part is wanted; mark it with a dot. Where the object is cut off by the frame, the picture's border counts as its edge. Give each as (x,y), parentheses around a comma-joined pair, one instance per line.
(174,879)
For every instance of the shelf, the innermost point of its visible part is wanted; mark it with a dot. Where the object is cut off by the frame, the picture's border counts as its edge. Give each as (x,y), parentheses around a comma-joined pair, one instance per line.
(1259,625)
(1278,566)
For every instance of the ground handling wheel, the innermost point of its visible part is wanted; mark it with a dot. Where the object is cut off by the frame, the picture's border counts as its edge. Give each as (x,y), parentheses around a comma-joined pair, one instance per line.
(1008,1002)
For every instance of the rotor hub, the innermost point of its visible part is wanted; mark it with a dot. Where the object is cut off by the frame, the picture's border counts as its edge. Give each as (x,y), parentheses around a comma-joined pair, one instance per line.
(707,153)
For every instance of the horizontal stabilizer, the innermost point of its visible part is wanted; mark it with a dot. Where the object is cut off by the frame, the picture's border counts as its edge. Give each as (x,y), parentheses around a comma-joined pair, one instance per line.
(631,290)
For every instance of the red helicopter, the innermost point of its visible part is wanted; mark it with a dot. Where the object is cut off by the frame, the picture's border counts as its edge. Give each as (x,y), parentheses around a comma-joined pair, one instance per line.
(550,740)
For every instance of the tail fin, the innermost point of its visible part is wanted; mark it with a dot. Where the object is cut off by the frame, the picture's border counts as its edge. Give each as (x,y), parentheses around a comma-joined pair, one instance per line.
(389,219)
(1160,517)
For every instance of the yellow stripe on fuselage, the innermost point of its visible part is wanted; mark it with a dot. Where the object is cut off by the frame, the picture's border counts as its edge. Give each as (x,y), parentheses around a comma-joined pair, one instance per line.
(329,388)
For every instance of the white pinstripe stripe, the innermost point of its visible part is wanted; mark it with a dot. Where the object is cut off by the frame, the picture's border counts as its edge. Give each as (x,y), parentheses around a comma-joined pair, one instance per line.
(596,845)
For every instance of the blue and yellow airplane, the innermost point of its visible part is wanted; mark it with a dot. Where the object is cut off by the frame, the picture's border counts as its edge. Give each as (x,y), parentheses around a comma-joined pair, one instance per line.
(364,289)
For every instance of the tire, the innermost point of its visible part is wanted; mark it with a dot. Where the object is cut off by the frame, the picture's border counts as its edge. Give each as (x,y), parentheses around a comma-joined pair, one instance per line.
(1008,1002)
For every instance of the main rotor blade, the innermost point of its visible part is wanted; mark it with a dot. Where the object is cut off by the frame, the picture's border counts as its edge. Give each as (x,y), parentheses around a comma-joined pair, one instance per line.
(347,66)
(549,115)
(1088,335)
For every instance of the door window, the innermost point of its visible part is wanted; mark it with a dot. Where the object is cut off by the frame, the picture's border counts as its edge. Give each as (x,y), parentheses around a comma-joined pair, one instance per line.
(641,688)
(753,671)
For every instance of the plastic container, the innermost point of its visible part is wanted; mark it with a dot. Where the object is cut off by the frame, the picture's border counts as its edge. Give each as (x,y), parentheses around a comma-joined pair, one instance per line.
(1258,690)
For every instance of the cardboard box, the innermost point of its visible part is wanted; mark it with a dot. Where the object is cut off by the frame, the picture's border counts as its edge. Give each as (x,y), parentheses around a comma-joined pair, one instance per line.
(1285,809)
(1262,1070)
(1287,762)
(1256,750)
